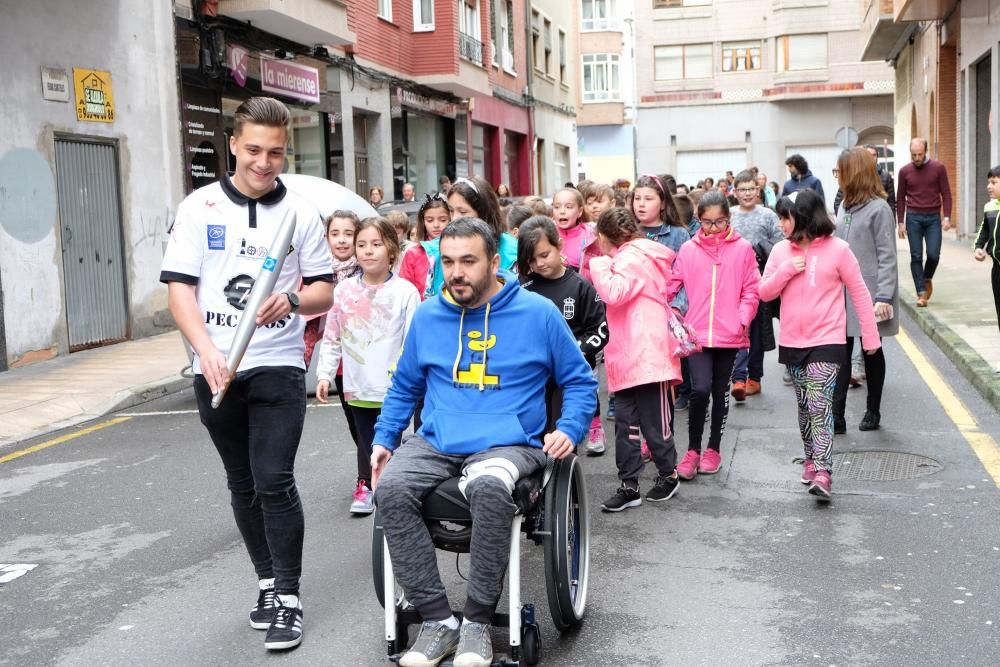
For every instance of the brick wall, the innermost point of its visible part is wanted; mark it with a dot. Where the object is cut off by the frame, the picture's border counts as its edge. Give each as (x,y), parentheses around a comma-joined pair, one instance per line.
(395,46)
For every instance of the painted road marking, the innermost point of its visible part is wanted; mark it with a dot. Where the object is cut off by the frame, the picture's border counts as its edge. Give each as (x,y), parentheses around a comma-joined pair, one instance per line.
(61,439)
(982,444)
(161,413)
(11,571)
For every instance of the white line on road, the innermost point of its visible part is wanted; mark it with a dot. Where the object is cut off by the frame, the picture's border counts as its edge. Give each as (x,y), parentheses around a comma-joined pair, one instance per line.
(194,412)
(11,571)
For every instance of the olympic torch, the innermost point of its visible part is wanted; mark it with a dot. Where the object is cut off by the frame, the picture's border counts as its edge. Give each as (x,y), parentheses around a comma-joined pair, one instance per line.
(261,290)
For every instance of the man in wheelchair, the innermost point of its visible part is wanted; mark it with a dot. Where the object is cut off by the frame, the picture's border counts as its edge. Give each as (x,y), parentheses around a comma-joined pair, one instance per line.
(481,354)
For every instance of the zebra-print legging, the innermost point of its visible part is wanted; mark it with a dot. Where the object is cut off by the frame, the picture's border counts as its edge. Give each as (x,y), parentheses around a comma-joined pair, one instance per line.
(814,386)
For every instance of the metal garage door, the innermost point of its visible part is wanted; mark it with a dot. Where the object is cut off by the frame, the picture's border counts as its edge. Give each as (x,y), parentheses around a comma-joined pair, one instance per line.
(693,166)
(93,260)
(822,161)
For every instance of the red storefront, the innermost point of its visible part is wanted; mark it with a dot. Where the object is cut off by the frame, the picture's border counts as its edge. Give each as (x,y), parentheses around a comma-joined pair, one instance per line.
(500,139)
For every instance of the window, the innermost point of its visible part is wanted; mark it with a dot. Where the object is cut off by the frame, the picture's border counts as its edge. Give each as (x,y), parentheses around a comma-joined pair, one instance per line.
(660,4)
(600,78)
(494,32)
(798,52)
(547,36)
(740,56)
(423,15)
(536,39)
(385,9)
(600,15)
(469,45)
(691,61)
(562,56)
(506,36)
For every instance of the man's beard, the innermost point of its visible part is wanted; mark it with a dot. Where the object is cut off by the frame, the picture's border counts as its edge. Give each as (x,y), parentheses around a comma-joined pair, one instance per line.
(475,291)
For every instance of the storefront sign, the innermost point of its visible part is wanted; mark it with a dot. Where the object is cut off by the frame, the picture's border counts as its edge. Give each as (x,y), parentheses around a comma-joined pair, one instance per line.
(419,102)
(204,135)
(290,79)
(55,84)
(237,58)
(94,101)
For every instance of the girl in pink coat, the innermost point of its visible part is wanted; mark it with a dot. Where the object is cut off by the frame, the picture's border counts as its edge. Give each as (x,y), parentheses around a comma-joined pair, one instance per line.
(809,271)
(718,270)
(632,279)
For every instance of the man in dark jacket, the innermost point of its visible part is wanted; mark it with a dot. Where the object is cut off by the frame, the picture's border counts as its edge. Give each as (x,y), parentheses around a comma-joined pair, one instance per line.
(887,183)
(800,177)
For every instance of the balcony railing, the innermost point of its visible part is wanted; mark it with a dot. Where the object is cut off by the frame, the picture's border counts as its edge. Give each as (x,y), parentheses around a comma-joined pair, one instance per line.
(471,49)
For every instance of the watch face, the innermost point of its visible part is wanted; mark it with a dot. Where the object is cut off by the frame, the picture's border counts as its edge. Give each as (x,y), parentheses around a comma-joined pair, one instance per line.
(293,299)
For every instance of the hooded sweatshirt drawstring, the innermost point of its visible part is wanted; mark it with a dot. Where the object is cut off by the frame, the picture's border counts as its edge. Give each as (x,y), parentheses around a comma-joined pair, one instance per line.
(458,357)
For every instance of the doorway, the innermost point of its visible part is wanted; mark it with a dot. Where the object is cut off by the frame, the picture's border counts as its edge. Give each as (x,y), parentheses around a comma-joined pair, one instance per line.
(89,200)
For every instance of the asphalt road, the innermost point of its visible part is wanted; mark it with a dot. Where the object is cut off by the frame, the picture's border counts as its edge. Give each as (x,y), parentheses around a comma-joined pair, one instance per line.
(138,561)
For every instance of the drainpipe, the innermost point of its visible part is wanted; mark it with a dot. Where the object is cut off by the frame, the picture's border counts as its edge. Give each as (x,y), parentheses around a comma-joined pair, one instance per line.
(530,94)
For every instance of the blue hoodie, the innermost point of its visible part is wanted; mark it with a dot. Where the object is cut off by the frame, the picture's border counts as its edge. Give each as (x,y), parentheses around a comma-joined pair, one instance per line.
(483,373)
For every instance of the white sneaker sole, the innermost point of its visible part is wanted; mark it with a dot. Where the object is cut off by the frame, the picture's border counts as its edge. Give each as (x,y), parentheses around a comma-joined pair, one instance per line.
(631,503)
(260,626)
(280,646)
(472,660)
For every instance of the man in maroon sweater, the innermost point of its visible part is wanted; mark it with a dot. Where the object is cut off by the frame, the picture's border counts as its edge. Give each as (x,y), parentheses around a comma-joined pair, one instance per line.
(922,194)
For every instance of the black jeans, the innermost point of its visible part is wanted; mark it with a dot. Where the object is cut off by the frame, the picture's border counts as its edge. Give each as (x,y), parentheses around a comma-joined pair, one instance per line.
(995,279)
(710,372)
(874,379)
(256,431)
(749,363)
(338,381)
(364,421)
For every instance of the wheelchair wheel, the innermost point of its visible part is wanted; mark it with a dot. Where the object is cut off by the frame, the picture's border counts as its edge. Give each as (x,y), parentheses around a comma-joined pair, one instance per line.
(567,546)
(531,644)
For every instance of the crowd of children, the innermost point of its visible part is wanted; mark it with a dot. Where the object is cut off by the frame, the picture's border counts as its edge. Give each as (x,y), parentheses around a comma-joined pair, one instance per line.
(630,267)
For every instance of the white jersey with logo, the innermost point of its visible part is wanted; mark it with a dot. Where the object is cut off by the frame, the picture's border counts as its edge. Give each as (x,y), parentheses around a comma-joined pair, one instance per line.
(219,242)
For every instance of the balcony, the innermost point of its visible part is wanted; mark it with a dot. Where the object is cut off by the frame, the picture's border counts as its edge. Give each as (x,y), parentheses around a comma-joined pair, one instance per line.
(307,22)
(922,10)
(884,37)
(472,77)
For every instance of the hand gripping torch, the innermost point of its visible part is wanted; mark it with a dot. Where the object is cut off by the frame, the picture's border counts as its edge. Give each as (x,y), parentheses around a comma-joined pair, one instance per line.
(261,290)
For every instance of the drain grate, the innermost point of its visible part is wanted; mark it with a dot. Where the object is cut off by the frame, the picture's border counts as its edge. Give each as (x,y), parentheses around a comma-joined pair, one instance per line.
(881,466)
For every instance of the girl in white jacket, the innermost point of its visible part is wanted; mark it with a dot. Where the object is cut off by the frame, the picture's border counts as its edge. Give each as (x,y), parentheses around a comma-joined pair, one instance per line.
(365,328)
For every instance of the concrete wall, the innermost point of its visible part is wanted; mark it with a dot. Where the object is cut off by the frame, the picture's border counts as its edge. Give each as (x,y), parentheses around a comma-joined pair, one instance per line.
(359,94)
(135,42)
(606,152)
(555,128)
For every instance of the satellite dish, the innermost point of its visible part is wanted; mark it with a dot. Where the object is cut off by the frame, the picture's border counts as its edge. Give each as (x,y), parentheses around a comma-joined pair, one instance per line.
(847,137)
(327,196)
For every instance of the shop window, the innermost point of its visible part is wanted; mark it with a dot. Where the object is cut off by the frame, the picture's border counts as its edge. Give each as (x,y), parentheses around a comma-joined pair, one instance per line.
(799,52)
(560,164)
(385,9)
(305,150)
(423,15)
(600,78)
(690,61)
(741,56)
(600,15)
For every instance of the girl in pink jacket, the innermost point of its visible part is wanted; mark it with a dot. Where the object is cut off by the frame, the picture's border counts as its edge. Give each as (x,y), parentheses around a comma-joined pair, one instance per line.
(809,271)
(718,270)
(631,278)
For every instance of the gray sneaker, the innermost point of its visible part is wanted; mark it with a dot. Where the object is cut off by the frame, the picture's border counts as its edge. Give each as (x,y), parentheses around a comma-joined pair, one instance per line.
(435,642)
(475,648)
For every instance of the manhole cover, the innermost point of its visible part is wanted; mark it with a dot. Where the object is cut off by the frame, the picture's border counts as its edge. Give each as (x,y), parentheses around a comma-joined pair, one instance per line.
(879,466)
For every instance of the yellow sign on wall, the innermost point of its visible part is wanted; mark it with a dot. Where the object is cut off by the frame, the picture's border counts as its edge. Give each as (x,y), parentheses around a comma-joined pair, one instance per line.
(94,101)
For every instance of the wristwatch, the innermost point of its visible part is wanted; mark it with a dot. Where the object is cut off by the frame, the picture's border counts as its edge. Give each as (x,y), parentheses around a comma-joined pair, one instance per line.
(293,299)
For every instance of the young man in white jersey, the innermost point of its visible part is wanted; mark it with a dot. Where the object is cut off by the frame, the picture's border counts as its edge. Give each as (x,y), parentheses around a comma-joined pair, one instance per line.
(218,244)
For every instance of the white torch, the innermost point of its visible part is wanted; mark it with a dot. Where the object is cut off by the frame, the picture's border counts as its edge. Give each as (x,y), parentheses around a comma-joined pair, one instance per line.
(261,290)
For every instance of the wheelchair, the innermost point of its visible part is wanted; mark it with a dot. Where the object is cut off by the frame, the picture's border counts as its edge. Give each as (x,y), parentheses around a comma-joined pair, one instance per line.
(552,512)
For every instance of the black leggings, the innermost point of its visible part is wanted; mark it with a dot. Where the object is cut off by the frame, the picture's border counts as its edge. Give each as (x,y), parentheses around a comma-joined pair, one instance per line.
(874,379)
(710,372)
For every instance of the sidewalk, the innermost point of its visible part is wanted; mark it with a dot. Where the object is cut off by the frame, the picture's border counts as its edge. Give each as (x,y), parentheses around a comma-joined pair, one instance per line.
(74,388)
(960,317)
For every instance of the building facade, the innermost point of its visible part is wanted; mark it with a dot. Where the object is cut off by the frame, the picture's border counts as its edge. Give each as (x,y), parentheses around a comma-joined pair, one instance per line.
(90,174)
(723,86)
(947,66)
(607,112)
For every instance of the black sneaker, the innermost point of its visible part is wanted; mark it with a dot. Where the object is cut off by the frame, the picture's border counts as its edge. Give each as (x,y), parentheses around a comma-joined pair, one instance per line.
(286,627)
(263,612)
(625,497)
(870,421)
(839,426)
(663,489)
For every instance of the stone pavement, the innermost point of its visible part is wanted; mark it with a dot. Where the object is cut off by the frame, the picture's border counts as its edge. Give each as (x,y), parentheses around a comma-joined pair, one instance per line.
(960,317)
(74,388)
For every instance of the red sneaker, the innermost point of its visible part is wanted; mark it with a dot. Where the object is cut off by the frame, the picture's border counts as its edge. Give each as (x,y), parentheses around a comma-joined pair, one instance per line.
(739,390)
(753,387)
(647,455)
(688,467)
(822,486)
(808,472)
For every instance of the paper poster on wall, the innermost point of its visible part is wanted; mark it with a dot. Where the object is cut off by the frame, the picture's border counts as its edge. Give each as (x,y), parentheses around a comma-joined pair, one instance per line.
(94,101)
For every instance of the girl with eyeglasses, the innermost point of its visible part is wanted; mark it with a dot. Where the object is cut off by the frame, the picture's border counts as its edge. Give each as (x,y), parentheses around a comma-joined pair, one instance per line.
(719,271)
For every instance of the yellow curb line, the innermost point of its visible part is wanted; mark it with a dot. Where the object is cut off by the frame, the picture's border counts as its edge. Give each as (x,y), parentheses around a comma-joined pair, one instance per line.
(61,439)
(982,444)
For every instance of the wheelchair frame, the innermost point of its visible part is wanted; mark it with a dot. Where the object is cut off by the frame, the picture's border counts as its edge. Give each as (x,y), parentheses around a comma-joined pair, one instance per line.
(560,522)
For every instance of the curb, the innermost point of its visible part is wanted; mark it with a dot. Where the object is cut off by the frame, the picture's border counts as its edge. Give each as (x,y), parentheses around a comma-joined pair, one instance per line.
(970,364)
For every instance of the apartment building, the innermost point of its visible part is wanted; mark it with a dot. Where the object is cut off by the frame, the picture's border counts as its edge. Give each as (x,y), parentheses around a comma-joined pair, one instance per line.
(554,83)
(605,122)
(946,56)
(725,84)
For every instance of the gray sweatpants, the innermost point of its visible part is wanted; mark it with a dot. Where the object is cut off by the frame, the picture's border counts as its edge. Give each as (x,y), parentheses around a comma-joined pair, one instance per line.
(415,469)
